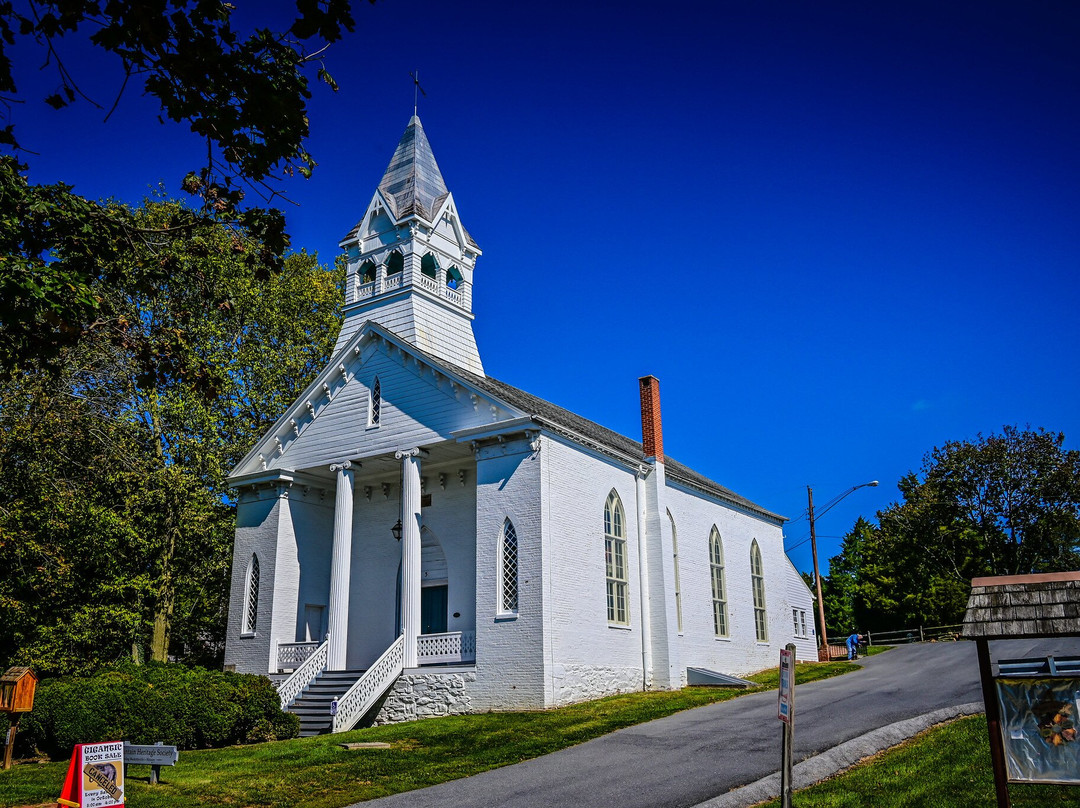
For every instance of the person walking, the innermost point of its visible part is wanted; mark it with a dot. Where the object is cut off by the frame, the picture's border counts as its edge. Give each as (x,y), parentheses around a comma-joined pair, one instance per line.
(853,645)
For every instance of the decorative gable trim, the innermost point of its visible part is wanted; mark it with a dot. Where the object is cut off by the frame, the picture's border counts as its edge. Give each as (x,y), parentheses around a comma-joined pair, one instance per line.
(332,379)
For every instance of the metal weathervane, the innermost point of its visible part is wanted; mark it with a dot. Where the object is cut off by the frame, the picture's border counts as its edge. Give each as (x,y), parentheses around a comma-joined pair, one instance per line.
(415,76)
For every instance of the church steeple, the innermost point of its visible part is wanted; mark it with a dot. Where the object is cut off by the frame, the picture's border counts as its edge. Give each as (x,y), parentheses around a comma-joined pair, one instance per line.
(410,261)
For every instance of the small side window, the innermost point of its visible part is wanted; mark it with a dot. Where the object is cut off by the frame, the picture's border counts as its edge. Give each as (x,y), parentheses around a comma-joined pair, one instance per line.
(251,606)
(375,403)
(508,599)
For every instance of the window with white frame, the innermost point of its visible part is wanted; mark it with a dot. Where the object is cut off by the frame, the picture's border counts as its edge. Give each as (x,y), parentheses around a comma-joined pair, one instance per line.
(719,591)
(375,403)
(618,610)
(508,579)
(251,606)
(675,552)
(802,622)
(757,584)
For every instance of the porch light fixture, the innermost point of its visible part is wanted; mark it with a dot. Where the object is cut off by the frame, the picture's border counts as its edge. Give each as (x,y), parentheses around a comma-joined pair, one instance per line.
(396,530)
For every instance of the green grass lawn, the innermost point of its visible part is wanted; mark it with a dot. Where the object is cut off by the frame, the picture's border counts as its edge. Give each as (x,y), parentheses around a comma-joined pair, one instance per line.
(944,767)
(877,649)
(318,773)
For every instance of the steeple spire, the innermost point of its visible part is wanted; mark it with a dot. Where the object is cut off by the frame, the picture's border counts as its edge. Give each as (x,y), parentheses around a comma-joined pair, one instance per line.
(413,183)
(410,260)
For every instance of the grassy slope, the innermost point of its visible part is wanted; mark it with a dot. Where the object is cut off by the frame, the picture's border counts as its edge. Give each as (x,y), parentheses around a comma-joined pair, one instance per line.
(944,767)
(318,773)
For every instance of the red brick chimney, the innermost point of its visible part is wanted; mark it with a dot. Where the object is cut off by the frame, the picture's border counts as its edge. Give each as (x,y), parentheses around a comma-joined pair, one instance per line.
(652,438)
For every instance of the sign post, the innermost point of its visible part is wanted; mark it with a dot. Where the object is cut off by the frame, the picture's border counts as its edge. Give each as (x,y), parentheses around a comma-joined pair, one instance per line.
(786,713)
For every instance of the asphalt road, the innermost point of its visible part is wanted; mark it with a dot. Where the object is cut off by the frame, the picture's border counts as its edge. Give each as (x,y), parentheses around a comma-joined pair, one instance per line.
(695,755)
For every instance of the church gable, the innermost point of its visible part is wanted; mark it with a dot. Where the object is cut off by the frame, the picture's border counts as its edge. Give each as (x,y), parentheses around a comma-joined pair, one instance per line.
(377,395)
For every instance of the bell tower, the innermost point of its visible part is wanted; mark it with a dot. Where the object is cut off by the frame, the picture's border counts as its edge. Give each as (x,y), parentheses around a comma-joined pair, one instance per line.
(410,261)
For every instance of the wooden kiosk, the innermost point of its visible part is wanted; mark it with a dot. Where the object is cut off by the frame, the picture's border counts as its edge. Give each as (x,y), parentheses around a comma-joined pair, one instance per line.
(17,687)
(1021,698)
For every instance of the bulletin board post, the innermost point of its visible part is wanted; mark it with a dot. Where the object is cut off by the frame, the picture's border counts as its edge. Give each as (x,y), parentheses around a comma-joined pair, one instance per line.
(786,713)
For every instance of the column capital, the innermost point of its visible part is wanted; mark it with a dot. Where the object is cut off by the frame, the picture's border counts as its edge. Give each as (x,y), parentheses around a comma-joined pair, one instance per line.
(414,452)
(345,465)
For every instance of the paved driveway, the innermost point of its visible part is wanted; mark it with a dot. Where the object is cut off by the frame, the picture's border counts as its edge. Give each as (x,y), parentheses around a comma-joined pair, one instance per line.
(695,755)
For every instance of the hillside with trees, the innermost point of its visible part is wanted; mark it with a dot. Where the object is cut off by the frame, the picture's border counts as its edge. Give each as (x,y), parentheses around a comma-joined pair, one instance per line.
(1002,504)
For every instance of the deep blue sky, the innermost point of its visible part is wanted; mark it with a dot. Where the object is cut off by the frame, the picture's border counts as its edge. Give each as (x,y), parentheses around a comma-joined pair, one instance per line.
(839,233)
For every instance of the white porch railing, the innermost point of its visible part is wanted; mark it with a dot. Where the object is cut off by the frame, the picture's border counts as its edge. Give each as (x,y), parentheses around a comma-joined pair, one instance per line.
(452,646)
(303,676)
(370,687)
(291,654)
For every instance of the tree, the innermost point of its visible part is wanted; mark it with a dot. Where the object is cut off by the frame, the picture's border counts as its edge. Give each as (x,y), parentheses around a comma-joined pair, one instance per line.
(115,511)
(840,587)
(244,93)
(1003,504)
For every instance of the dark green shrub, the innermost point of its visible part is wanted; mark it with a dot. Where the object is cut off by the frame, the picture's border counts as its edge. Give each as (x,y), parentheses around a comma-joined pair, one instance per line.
(191,708)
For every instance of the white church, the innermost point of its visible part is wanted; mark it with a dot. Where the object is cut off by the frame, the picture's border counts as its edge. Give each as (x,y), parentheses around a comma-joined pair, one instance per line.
(416,538)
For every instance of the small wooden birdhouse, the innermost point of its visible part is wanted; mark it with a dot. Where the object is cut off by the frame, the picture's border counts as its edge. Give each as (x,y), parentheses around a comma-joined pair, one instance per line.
(17,687)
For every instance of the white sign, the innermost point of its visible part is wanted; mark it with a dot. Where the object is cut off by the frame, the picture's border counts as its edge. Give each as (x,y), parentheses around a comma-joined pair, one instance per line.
(95,777)
(787,685)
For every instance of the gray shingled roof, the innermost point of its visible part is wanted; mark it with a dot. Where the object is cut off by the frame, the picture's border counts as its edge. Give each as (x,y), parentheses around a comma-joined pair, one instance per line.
(602,436)
(1024,606)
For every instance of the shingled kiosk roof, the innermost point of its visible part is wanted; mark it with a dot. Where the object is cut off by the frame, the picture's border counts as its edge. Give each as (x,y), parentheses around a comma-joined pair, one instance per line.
(1014,606)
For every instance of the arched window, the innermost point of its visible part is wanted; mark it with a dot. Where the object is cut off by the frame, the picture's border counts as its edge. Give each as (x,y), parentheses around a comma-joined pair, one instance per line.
(757,582)
(675,552)
(618,610)
(366,273)
(251,607)
(719,591)
(395,263)
(508,595)
(429,266)
(454,278)
(375,403)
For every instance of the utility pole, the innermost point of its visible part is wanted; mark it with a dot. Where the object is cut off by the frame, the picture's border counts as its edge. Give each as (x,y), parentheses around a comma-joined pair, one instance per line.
(823,640)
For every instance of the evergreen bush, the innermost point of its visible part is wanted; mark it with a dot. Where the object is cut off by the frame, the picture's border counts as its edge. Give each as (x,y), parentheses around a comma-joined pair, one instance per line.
(187,707)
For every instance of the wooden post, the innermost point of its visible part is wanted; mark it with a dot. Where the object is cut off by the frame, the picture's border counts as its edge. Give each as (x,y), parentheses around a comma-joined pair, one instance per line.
(9,745)
(921,638)
(788,737)
(993,723)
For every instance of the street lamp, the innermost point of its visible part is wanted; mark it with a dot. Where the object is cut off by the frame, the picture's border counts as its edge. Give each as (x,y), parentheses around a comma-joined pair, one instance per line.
(823,640)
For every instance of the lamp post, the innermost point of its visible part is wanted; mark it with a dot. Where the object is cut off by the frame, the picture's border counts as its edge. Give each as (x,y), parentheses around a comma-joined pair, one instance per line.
(823,640)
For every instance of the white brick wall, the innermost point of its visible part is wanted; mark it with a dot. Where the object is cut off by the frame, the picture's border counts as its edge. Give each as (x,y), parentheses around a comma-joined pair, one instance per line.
(577,484)
(740,653)
(510,658)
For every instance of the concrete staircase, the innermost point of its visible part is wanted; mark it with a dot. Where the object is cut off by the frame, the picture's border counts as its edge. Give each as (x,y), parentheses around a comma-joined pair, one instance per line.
(313,705)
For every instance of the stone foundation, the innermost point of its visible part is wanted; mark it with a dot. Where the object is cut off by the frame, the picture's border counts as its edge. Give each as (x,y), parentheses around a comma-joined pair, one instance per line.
(427,695)
(574,683)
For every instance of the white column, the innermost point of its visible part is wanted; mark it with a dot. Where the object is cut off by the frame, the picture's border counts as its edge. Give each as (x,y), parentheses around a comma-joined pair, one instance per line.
(410,551)
(340,567)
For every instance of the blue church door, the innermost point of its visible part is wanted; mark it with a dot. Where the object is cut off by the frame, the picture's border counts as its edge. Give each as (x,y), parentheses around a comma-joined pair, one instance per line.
(433,604)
